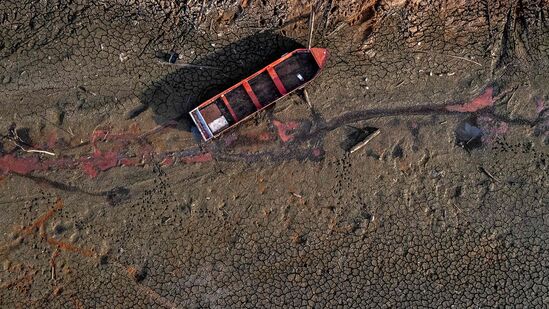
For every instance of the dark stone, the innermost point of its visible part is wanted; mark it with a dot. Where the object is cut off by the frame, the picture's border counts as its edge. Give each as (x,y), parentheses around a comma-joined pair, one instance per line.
(173,57)
(468,134)
(117,195)
(59,229)
(398,152)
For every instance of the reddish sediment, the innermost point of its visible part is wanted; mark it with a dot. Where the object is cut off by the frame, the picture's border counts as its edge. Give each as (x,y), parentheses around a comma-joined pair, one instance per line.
(99,160)
(201,158)
(12,164)
(482,101)
(284,129)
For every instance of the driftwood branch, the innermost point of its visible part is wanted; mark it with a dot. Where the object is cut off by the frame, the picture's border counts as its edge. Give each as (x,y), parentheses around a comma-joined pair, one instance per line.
(311,27)
(366,141)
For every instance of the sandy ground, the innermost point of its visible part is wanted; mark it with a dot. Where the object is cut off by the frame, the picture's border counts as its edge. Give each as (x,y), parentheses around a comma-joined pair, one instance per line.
(447,206)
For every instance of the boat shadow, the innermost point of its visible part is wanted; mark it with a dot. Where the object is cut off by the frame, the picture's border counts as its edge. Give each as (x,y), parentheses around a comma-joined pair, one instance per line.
(177,93)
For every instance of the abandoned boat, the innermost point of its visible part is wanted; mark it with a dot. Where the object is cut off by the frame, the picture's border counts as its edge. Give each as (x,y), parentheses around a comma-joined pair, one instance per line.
(234,105)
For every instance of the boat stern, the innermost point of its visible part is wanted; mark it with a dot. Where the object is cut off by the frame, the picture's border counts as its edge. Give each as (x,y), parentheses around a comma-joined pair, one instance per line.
(201,124)
(320,55)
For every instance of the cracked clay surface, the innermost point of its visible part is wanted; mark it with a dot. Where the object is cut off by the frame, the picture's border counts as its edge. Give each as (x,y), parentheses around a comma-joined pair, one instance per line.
(107,199)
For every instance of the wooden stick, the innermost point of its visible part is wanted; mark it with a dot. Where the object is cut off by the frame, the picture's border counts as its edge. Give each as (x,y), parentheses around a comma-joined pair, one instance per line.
(339,27)
(15,140)
(38,151)
(199,20)
(190,65)
(466,59)
(306,95)
(297,195)
(366,141)
(311,26)
(487,173)
(329,8)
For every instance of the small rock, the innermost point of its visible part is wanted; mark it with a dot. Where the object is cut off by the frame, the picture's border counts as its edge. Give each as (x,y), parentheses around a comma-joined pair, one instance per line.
(137,273)
(117,195)
(123,57)
(468,134)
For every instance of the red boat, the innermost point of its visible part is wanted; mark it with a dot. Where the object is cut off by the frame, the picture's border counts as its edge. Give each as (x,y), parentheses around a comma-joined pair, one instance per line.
(234,105)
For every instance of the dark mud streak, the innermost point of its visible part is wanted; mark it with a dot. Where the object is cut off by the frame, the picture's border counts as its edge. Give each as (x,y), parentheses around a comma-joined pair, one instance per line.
(58,185)
(309,137)
(322,127)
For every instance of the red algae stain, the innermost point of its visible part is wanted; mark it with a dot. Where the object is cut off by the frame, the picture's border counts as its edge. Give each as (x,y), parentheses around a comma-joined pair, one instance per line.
(100,162)
(129,162)
(12,164)
(258,137)
(201,158)
(265,137)
(52,140)
(284,128)
(89,169)
(317,152)
(106,160)
(167,161)
(482,101)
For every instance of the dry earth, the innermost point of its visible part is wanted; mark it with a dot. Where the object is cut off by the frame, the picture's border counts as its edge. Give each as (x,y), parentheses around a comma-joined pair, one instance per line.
(447,206)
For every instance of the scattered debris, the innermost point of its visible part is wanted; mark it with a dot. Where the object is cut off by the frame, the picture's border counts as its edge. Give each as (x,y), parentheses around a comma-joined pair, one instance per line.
(137,273)
(37,151)
(14,136)
(52,263)
(136,111)
(466,59)
(199,19)
(487,173)
(297,195)
(398,151)
(365,141)
(123,57)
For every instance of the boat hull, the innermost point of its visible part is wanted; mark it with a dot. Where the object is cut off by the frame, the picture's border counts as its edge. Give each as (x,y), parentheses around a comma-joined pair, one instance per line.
(258,91)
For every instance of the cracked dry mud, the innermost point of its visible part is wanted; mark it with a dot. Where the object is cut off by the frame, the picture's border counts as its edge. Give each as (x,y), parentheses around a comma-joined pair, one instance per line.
(447,206)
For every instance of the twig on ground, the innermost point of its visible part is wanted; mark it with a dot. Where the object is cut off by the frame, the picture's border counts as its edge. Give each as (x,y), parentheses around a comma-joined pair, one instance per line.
(466,59)
(199,20)
(311,26)
(17,141)
(306,95)
(190,65)
(297,195)
(327,20)
(37,151)
(487,173)
(366,141)
(339,27)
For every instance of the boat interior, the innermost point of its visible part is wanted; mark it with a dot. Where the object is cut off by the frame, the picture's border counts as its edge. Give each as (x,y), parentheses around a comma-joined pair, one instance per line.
(258,92)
